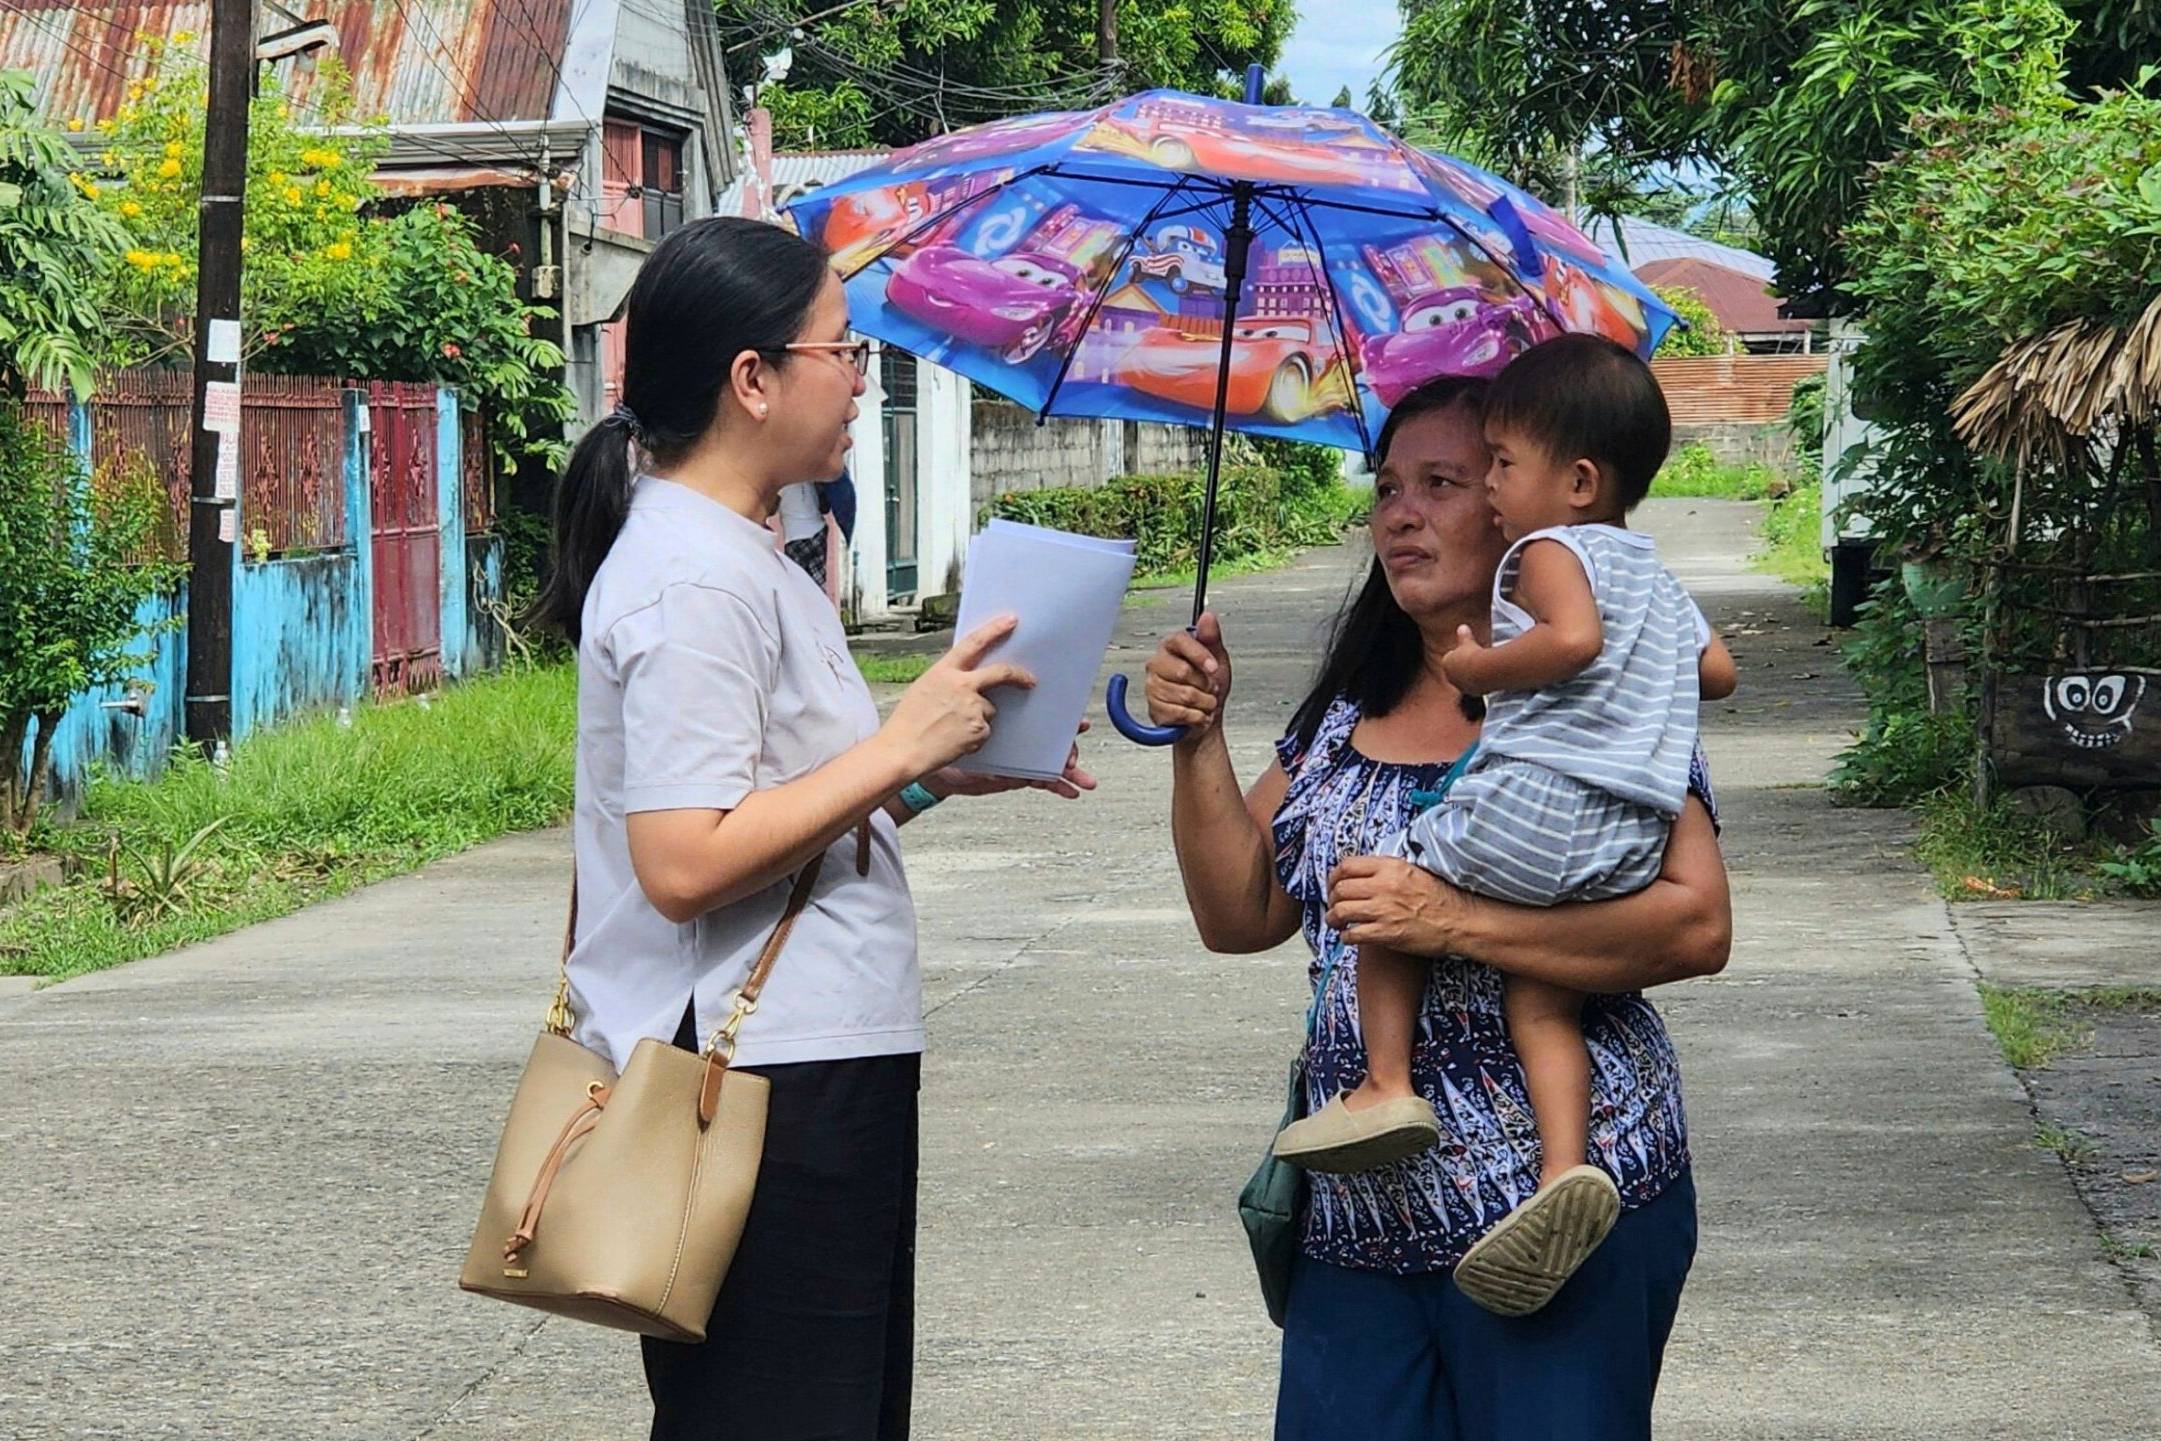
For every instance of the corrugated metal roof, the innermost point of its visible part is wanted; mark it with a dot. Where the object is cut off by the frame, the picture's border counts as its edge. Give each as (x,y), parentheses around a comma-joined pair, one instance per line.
(798,170)
(414,61)
(1646,242)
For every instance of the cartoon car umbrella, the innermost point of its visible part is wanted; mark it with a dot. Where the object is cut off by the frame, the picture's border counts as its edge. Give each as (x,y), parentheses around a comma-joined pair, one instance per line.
(1280,271)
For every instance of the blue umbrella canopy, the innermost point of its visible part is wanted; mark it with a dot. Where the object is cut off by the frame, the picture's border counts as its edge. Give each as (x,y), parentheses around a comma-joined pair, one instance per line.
(1081,263)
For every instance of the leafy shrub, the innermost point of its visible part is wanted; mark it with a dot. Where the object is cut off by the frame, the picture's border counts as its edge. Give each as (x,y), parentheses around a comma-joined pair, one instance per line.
(2138,868)
(1259,511)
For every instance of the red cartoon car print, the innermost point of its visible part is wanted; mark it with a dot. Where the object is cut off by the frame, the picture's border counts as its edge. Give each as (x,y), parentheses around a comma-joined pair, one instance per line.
(1276,369)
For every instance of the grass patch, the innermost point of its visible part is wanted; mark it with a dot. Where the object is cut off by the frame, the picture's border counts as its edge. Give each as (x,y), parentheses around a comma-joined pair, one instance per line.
(2118,1249)
(300,813)
(2032,1026)
(1694,472)
(2075,1148)
(1993,853)
(1792,550)
(896,669)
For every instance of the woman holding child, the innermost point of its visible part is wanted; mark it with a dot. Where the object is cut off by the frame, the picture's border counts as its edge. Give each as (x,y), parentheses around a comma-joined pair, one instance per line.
(1423,1134)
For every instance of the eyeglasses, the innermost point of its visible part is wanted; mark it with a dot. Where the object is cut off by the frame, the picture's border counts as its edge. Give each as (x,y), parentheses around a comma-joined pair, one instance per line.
(855,352)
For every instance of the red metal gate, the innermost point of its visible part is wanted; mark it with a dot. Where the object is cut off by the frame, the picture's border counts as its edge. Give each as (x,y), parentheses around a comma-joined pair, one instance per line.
(407,540)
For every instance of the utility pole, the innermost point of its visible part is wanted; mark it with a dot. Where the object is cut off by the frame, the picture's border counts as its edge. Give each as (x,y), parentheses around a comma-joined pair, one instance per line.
(1107,33)
(214,457)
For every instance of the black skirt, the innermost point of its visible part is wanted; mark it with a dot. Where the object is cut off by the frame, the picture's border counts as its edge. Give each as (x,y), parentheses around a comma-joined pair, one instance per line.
(813,1333)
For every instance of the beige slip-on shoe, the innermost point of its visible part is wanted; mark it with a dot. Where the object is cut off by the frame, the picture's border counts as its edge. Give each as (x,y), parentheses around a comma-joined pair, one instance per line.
(1529,1255)
(1337,1138)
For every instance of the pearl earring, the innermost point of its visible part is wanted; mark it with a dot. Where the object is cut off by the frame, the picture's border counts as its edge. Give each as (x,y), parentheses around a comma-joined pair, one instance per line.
(762,409)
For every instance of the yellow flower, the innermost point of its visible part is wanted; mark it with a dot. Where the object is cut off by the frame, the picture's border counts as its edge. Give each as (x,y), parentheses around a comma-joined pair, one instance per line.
(76,124)
(111,159)
(243,242)
(173,260)
(292,195)
(322,189)
(106,126)
(331,160)
(183,37)
(322,212)
(129,209)
(127,115)
(91,190)
(141,259)
(285,112)
(168,169)
(172,150)
(135,91)
(277,177)
(338,250)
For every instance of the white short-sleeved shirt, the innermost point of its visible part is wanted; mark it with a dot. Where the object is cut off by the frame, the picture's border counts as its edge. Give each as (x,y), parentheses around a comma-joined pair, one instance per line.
(711,666)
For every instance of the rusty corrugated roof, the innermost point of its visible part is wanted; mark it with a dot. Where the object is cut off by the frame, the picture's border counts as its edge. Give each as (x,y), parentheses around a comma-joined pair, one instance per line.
(415,61)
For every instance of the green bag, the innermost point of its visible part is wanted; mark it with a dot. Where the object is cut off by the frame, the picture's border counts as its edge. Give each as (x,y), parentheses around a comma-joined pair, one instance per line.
(1275,1195)
(1270,1204)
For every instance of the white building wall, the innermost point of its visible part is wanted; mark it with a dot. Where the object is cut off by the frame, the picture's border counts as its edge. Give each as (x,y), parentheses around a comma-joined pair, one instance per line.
(943,476)
(864,589)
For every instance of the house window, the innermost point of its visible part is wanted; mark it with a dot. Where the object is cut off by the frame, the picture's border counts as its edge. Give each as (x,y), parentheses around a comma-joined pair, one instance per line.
(663,185)
(641,179)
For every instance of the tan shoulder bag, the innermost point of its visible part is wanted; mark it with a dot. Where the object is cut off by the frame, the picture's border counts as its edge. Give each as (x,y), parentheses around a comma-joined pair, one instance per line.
(644,1180)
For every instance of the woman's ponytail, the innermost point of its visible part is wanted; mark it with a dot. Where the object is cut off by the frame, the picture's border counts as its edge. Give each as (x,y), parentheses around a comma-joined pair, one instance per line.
(592,500)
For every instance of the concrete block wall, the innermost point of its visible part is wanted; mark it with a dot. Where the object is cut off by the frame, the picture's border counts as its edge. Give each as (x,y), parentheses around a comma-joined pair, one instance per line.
(1740,443)
(1010,452)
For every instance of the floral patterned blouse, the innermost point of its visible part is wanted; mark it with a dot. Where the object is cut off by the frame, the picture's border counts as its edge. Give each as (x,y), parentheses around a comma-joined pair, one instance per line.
(1421,1214)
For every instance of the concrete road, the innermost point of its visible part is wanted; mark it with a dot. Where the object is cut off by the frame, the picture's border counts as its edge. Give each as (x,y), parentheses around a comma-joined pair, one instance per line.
(236,1182)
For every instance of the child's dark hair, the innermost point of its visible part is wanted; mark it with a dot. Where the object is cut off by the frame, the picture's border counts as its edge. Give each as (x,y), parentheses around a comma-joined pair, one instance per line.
(706,294)
(1585,397)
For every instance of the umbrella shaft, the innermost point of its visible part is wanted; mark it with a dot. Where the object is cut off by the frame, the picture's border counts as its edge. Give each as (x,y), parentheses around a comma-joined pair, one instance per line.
(1238,239)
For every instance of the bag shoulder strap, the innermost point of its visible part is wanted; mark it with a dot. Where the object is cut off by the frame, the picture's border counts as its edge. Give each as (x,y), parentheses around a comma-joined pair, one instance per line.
(560,1020)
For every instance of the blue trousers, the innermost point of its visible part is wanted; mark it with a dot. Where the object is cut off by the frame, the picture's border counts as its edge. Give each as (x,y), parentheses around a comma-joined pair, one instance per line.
(1369,1356)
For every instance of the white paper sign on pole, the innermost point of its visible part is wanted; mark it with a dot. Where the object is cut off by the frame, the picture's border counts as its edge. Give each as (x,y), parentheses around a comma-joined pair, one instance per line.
(227,480)
(228,525)
(223,346)
(221,407)
(1066,590)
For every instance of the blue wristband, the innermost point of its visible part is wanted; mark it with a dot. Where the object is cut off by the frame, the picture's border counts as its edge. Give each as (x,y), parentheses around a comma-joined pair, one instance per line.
(917,797)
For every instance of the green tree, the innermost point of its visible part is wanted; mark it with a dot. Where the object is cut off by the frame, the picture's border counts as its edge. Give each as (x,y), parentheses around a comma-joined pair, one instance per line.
(73,579)
(892,74)
(332,285)
(55,243)
(1701,334)
(1343,99)
(1796,103)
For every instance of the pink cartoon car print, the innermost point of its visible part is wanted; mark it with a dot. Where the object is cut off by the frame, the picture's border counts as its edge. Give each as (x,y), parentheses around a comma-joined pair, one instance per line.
(1013,305)
(1457,331)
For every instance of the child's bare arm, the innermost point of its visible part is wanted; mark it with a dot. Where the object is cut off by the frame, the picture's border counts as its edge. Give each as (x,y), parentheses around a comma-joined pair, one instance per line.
(1567,636)
(1716,674)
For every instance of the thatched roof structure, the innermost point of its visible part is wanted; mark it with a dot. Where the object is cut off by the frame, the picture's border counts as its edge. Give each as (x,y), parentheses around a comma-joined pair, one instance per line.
(2052,397)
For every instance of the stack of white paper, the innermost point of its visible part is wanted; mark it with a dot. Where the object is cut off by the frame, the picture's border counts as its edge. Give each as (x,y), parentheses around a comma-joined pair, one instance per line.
(1066,590)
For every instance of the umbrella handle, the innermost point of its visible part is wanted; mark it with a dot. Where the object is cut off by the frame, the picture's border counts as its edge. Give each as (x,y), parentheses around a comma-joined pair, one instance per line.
(1138,732)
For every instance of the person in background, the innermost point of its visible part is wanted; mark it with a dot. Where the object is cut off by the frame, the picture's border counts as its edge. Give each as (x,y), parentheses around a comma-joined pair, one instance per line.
(802,529)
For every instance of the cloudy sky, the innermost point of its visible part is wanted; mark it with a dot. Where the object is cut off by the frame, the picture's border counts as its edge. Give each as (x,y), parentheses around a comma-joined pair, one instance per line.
(1338,43)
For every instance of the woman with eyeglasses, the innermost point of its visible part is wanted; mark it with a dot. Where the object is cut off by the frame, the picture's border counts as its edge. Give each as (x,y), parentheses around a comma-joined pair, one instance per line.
(726,742)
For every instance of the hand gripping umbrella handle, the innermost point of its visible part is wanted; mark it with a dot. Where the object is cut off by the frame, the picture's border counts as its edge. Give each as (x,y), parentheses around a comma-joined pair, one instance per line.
(1136,731)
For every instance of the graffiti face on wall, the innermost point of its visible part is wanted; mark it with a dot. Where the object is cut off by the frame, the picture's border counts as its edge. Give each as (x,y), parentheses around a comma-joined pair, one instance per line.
(2095,709)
